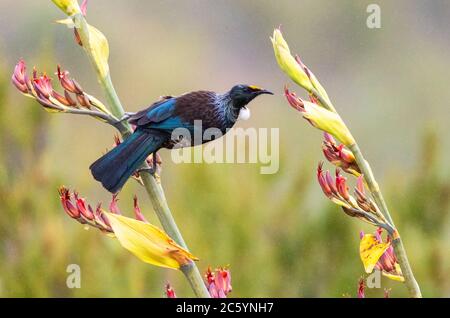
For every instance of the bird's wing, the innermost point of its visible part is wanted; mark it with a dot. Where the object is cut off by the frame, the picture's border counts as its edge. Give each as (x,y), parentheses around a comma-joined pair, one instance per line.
(156,113)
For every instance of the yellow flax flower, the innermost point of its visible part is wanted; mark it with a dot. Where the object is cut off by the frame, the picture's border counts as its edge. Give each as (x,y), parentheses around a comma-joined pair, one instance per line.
(321,118)
(287,62)
(69,7)
(376,254)
(148,243)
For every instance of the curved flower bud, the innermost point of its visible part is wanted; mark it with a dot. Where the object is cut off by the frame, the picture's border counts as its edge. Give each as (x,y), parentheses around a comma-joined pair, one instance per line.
(287,62)
(170,292)
(42,85)
(69,7)
(341,185)
(84,210)
(83,7)
(361,288)
(66,201)
(113,207)
(319,88)
(137,211)
(339,156)
(336,190)
(20,78)
(321,118)
(69,84)
(223,280)
(218,282)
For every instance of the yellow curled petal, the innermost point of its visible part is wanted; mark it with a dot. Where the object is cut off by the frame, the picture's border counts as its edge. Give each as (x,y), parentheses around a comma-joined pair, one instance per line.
(98,45)
(329,122)
(370,251)
(148,243)
(396,274)
(99,49)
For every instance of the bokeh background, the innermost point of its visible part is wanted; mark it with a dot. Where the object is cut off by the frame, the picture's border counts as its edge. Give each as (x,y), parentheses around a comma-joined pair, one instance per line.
(278,233)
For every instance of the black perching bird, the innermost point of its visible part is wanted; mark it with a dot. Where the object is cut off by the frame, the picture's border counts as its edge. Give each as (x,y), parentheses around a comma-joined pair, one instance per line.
(154,127)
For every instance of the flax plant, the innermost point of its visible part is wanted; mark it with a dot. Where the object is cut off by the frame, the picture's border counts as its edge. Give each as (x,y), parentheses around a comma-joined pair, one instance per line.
(146,241)
(369,207)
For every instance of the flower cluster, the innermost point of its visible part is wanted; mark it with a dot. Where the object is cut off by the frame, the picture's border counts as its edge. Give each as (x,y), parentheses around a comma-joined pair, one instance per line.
(77,208)
(380,255)
(336,189)
(339,155)
(217,282)
(40,88)
(147,242)
(320,117)
(347,157)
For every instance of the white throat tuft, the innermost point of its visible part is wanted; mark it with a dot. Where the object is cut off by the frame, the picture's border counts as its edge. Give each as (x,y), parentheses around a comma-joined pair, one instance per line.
(244,113)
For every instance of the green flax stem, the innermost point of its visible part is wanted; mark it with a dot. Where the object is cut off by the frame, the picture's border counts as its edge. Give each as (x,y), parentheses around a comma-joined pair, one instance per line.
(400,252)
(152,186)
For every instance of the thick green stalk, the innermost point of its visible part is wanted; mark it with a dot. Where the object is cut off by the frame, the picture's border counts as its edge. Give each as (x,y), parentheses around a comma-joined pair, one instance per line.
(152,186)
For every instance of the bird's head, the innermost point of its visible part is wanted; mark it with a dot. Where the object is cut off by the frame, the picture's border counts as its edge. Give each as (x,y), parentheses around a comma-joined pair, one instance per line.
(241,95)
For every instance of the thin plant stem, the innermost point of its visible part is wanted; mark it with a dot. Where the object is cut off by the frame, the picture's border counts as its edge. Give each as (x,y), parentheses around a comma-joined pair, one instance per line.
(151,184)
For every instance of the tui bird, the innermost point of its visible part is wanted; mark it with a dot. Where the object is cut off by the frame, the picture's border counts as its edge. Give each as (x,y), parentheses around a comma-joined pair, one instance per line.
(154,127)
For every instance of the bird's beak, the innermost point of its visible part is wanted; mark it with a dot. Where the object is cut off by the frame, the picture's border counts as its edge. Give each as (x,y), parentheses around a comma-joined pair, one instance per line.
(264,91)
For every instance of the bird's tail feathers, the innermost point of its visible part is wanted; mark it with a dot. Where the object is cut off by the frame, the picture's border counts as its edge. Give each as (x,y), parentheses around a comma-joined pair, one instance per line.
(115,167)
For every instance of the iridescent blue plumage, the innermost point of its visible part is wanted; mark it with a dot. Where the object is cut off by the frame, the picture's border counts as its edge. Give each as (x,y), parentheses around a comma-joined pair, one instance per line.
(154,127)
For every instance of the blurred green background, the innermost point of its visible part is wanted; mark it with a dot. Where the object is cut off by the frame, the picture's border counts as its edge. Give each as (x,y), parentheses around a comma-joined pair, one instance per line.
(278,233)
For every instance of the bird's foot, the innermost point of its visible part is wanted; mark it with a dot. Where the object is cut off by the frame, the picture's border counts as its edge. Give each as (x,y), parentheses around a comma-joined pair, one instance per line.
(154,166)
(153,171)
(150,170)
(125,117)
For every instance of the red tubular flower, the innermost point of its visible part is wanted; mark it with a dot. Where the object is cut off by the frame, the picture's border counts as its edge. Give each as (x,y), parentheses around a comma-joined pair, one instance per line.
(42,85)
(81,205)
(386,263)
(137,211)
(67,204)
(170,293)
(323,182)
(100,216)
(361,288)
(341,185)
(339,156)
(294,101)
(218,283)
(69,84)
(83,7)
(19,77)
(223,280)
(209,275)
(113,207)
(388,260)
(331,182)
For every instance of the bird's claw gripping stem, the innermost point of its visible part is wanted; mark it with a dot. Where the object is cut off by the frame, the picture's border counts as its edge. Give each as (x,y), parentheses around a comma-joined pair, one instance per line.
(153,167)
(150,170)
(125,117)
